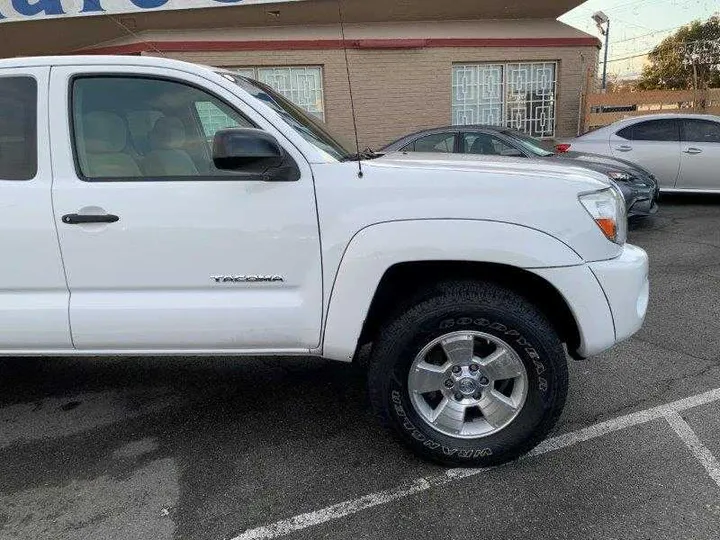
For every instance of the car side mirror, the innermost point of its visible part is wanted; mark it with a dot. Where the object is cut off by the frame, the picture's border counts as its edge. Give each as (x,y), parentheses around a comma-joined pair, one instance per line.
(253,151)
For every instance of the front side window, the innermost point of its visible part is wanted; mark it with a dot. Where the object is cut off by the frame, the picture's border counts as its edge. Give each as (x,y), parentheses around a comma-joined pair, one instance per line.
(703,131)
(653,130)
(18,128)
(303,85)
(134,128)
(487,145)
(517,95)
(305,125)
(437,142)
(535,146)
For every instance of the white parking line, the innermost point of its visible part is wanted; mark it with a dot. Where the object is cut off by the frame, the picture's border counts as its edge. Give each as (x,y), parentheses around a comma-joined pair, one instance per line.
(693,442)
(347,508)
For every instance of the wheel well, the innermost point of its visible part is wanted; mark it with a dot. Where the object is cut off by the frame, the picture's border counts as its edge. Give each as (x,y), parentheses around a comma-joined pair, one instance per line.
(404,280)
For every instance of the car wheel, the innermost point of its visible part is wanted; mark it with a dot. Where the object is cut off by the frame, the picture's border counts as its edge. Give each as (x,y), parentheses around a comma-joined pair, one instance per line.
(470,374)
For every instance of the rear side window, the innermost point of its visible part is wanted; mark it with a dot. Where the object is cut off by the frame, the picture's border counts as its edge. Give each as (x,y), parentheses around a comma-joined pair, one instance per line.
(625,133)
(18,128)
(437,142)
(702,131)
(652,130)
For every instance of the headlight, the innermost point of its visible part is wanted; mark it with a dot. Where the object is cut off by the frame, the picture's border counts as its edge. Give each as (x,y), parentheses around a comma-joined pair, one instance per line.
(621,176)
(607,208)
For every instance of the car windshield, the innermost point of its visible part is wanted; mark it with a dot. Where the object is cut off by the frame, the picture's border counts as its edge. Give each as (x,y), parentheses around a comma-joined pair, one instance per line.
(308,127)
(530,143)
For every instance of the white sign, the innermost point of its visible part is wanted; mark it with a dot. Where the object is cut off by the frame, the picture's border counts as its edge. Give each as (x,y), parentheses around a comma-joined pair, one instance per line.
(32,10)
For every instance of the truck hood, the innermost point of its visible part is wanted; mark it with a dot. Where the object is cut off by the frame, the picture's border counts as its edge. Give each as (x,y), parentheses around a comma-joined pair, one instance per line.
(529,193)
(555,170)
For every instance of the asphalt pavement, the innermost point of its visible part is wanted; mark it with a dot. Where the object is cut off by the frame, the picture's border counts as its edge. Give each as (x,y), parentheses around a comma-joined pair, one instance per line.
(215,449)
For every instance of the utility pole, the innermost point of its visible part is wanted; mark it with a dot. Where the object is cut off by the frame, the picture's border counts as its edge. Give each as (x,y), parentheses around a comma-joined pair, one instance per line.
(601,19)
(607,43)
(698,105)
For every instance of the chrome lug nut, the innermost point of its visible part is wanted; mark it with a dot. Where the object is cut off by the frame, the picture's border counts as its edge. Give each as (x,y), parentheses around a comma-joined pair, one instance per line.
(477,395)
(449,383)
(456,369)
(458,396)
(484,381)
(474,367)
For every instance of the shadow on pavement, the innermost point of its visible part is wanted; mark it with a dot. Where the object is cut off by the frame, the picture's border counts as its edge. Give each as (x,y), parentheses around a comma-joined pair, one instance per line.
(251,440)
(705,199)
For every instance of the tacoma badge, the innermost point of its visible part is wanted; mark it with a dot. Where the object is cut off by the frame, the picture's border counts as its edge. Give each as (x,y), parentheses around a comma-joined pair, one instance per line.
(247,279)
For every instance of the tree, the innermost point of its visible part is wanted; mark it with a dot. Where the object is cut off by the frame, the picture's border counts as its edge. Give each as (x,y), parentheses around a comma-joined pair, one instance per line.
(616,84)
(688,59)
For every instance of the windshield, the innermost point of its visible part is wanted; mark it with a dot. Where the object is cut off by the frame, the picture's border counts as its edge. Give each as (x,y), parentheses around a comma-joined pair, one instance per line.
(530,143)
(308,127)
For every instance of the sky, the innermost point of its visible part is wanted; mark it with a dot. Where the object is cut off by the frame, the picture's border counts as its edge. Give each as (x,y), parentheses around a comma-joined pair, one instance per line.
(636,26)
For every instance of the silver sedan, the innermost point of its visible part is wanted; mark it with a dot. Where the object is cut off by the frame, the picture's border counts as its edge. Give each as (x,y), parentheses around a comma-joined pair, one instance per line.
(681,150)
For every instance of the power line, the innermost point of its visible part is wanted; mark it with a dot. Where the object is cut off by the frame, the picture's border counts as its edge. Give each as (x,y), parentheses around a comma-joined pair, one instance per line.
(123,26)
(615,18)
(632,4)
(651,34)
(612,11)
(628,57)
(667,50)
(135,35)
(645,36)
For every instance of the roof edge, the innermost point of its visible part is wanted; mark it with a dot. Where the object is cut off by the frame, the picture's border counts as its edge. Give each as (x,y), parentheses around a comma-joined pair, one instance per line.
(334,44)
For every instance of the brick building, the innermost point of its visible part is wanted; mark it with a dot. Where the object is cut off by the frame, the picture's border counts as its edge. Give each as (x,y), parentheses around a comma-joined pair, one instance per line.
(413,63)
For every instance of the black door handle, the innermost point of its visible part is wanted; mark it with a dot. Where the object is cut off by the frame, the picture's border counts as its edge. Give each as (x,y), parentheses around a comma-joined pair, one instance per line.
(74,219)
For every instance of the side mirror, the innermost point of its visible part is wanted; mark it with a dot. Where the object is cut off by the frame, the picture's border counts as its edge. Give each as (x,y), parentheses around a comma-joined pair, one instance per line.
(253,151)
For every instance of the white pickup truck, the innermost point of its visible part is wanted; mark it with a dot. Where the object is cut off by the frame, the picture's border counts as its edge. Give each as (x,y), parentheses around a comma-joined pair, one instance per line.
(155,207)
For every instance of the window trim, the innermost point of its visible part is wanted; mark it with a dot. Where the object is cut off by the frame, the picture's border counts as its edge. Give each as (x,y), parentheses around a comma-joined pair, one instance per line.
(235,177)
(35,80)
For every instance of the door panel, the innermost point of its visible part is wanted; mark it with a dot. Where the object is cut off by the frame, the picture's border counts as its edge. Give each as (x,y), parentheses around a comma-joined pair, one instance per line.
(700,158)
(34,295)
(148,280)
(652,144)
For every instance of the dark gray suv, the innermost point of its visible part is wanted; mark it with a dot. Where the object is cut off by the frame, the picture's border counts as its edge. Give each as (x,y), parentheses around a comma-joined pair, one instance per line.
(638,186)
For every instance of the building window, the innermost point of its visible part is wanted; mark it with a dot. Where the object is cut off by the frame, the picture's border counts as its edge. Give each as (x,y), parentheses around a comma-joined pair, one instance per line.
(303,85)
(213,118)
(519,95)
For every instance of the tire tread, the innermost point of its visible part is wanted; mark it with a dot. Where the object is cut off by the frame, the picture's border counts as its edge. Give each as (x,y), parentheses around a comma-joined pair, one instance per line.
(436,299)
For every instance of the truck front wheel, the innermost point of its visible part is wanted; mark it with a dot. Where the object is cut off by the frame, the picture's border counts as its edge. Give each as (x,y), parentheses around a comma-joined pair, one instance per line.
(471,374)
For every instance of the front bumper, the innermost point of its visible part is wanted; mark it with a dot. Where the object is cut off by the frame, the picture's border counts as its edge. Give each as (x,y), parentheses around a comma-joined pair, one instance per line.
(608,299)
(627,288)
(642,207)
(641,200)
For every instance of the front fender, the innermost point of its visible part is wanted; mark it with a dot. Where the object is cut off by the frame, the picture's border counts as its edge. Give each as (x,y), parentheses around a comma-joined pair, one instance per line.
(374,249)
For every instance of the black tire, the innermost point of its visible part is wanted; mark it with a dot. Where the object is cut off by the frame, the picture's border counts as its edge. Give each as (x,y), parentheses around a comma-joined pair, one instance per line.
(484,307)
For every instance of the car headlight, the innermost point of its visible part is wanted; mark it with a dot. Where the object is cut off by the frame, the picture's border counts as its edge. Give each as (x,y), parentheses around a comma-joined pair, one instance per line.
(621,176)
(607,208)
